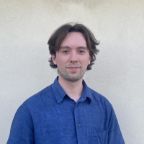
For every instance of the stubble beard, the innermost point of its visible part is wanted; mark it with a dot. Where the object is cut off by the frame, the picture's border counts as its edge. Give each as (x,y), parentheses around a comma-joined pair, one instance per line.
(71,77)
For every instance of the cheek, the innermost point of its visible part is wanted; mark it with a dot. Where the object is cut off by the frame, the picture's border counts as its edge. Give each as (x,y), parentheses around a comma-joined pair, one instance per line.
(87,61)
(59,61)
(85,64)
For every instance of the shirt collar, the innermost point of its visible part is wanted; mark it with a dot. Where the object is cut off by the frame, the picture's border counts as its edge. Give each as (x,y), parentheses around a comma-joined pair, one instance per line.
(86,93)
(59,92)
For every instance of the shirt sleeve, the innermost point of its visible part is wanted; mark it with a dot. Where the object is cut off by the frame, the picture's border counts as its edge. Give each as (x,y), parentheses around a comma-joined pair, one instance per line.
(114,135)
(22,127)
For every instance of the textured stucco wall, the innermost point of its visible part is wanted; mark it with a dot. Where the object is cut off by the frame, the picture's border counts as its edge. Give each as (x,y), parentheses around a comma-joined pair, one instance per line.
(118,73)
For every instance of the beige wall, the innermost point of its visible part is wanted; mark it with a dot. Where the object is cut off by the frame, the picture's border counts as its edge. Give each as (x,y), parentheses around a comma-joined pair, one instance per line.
(25,26)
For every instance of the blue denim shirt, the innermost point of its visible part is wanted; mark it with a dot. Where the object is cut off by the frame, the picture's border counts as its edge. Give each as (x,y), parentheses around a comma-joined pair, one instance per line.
(51,117)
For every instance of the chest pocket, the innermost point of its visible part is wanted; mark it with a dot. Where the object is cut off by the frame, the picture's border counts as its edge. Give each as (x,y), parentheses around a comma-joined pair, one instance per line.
(95,136)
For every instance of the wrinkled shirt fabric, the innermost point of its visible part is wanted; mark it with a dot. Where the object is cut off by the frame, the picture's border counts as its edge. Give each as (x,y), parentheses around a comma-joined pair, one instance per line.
(52,117)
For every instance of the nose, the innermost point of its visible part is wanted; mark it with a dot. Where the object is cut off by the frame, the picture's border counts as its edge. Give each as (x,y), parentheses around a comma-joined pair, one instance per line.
(73,57)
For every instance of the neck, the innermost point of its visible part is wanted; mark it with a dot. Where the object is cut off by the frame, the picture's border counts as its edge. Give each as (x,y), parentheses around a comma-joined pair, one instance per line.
(73,89)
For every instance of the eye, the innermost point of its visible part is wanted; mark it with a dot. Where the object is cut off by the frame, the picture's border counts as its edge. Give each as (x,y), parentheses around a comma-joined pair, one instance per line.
(82,51)
(65,51)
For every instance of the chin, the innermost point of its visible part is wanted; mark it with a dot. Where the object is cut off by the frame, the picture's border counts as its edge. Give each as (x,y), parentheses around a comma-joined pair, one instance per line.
(73,79)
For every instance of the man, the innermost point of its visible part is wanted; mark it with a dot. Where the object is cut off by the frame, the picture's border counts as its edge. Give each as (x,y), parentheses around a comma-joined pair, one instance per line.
(67,111)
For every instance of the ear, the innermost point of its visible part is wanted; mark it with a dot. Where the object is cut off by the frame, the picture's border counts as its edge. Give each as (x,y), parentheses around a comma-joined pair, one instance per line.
(53,59)
(89,61)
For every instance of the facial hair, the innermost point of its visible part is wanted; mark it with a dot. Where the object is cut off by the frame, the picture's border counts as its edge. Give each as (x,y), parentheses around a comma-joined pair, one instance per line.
(72,77)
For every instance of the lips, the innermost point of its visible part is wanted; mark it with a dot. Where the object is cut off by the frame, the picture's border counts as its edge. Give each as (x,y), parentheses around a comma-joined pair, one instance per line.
(73,66)
(73,69)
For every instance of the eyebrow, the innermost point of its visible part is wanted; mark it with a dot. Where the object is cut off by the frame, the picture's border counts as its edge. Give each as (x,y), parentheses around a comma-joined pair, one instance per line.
(67,47)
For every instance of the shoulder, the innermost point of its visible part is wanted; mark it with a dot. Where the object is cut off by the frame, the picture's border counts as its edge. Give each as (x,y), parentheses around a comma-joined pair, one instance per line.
(101,100)
(37,101)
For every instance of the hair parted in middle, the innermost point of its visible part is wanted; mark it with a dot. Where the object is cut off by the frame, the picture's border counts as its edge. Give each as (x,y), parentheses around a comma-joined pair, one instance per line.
(59,35)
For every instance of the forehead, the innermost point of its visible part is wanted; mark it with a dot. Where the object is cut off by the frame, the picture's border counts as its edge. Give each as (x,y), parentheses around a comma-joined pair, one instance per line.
(74,39)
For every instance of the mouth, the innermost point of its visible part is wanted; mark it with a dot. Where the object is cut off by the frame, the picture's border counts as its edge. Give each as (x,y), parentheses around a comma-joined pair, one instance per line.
(73,66)
(73,69)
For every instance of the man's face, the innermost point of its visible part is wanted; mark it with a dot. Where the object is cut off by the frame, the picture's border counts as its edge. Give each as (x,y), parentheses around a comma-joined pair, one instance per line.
(73,57)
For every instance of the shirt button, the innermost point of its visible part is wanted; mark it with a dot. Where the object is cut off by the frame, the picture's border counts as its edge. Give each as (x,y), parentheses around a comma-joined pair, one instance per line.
(78,124)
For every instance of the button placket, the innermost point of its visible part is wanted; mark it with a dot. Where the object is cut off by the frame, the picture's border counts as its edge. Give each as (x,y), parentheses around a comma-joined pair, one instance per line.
(77,123)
